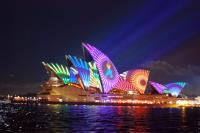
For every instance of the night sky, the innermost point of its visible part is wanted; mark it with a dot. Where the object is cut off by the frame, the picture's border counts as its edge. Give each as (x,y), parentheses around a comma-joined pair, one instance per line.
(163,36)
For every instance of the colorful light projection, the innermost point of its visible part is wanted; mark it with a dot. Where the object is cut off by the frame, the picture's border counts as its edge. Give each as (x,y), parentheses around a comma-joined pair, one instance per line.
(73,78)
(138,78)
(175,88)
(158,87)
(83,69)
(94,76)
(124,85)
(108,73)
(60,71)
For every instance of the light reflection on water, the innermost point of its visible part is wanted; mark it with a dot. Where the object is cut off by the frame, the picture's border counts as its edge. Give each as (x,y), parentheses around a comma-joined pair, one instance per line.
(85,118)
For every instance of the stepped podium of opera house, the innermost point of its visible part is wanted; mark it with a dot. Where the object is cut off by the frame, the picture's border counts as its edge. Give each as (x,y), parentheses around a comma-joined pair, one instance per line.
(73,94)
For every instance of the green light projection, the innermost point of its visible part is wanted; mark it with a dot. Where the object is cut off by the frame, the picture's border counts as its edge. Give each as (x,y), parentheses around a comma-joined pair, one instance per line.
(61,71)
(94,76)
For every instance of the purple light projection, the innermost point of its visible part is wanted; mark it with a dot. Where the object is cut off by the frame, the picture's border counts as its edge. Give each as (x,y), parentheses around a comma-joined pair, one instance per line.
(158,87)
(108,72)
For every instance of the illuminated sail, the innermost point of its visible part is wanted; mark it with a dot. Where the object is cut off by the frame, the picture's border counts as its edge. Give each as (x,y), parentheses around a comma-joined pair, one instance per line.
(94,76)
(138,78)
(73,78)
(108,73)
(175,88)
(158,87)
(83,69)
(60,71)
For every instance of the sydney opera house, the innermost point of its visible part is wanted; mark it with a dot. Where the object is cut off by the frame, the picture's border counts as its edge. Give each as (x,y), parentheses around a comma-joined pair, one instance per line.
(95,78)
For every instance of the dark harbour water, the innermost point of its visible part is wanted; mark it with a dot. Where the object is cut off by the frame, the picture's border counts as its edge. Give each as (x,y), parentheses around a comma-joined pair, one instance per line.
(71,118)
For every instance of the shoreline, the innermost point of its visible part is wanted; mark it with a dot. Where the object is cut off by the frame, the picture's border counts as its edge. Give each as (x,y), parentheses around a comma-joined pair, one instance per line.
(102,104)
